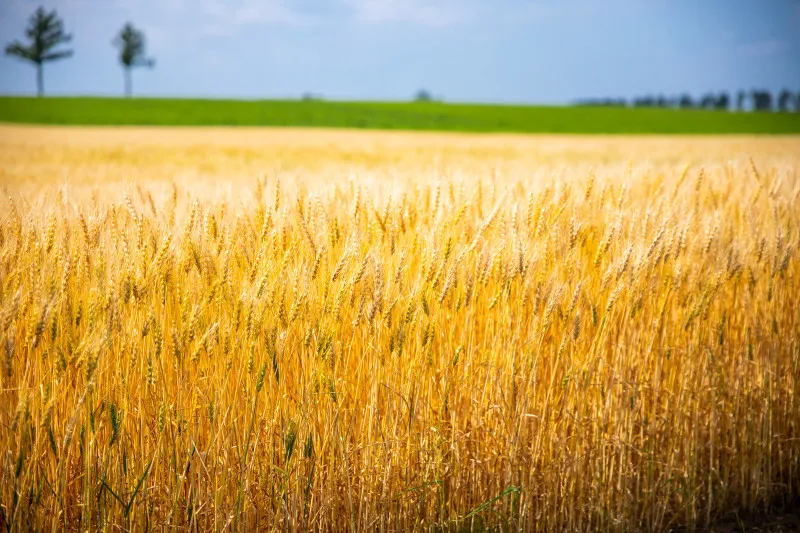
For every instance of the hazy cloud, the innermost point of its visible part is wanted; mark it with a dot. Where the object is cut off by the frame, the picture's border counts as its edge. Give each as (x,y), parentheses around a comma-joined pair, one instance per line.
(227,16)
(420,12)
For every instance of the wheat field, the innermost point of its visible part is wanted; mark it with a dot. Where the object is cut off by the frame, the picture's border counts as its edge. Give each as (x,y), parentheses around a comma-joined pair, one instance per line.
(240,330)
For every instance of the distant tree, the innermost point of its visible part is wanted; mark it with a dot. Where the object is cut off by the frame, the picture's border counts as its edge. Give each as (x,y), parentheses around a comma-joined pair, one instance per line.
(685,101)
(762,100)
(661,101)
(797,103)
(131,44)
(423,96)
(708,101)
(645,101)
(602,102)
(784,100)
(740,98)
(45,31)
(722,102)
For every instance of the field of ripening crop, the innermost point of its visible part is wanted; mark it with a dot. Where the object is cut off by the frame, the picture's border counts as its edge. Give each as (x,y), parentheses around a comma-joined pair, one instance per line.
(243,330)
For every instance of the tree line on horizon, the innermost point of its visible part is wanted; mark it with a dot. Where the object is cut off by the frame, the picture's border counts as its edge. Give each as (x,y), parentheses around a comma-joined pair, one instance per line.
(756,100)
(47,36)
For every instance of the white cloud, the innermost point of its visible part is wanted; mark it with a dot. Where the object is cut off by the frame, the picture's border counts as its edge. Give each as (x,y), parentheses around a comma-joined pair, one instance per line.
(545,10)
(225,17)
(435,13)
(201,17)
(441,13)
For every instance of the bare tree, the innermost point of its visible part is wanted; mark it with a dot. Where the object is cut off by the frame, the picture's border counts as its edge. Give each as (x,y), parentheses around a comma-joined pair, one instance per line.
(45,31)
(131,44)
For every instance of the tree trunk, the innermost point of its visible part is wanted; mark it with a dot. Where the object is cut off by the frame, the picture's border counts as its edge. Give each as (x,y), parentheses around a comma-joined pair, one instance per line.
(128,82)
(39,80)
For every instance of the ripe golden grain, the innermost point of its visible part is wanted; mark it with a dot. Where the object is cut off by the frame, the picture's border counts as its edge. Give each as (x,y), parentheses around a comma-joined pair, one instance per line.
(386,342)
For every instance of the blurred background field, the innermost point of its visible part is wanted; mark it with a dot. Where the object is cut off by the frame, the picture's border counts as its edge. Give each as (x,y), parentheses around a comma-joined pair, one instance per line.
(392,116)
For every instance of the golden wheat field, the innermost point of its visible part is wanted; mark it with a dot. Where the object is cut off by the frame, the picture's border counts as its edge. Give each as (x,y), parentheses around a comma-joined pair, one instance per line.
(240,330)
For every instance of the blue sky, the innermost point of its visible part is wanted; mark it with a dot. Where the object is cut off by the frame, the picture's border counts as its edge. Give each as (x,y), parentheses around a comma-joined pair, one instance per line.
(526,51)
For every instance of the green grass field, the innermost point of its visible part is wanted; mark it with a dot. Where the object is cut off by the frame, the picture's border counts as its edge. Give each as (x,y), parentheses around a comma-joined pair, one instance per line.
(388,115)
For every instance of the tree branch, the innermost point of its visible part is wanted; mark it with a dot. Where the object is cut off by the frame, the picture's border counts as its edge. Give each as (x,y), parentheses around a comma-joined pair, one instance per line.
(55,56)
(18,49)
